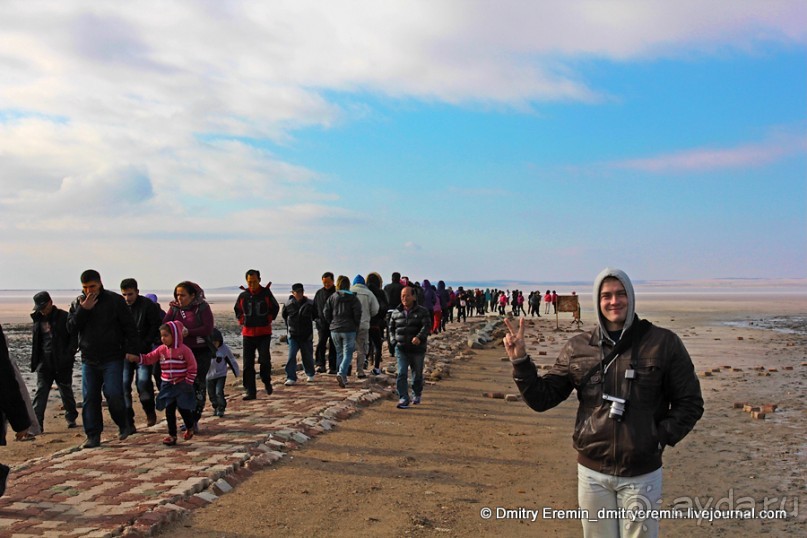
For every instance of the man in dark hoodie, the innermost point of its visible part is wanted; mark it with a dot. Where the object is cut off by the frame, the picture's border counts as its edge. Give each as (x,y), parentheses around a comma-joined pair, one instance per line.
(106,331)
(53,352)
(255,309)
(638,394)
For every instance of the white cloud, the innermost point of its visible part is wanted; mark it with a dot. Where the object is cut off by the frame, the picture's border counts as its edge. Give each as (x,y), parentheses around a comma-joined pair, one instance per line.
(119,107)
(706,159)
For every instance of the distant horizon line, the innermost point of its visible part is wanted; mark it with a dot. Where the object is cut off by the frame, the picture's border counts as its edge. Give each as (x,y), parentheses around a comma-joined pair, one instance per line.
(509,283)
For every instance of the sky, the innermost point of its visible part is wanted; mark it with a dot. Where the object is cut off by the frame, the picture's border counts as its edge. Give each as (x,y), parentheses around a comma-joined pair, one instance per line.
(455,140)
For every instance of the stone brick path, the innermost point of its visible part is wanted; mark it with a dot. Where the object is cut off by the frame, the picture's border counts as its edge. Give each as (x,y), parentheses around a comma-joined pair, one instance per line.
(133,487)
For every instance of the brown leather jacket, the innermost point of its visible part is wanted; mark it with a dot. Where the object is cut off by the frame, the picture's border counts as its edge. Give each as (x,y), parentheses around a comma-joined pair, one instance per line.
(664,399)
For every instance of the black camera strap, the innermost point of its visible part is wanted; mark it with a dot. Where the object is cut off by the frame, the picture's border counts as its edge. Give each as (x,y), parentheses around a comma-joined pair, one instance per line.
(635,334)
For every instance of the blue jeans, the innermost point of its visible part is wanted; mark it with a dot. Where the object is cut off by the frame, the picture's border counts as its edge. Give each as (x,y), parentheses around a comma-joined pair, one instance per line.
(306,348)
(598,491)
(215,389)
(345,344)
(145,387)
(106,378)
(407,360)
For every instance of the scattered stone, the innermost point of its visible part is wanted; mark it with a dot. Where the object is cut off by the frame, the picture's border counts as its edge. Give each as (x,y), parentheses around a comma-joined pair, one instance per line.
(769,408)
(739,405)
(495,395)
(757,415)
(707,373)
(512,397)
(740,338)
(748,408)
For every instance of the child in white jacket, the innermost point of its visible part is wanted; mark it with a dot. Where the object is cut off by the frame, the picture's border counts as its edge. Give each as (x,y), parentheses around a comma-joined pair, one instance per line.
(217,375)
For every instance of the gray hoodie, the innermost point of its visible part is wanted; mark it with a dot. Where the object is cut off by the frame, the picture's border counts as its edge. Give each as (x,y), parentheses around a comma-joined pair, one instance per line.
(623,278)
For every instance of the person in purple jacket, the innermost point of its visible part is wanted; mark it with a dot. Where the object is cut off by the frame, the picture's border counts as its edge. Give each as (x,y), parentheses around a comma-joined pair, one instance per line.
(189,307)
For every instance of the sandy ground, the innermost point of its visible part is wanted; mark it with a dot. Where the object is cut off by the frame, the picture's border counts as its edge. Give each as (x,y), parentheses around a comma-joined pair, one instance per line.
(432,469)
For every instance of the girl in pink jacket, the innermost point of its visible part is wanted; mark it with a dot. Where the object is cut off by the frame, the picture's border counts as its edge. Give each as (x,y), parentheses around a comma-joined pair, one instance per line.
(177,373)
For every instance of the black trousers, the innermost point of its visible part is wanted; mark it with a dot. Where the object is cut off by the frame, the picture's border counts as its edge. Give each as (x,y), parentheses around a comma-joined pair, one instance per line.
(64,382)
(324,342)
(261,345)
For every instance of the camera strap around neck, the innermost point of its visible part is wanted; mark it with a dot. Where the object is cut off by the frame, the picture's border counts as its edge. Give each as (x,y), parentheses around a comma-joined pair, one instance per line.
(633,335)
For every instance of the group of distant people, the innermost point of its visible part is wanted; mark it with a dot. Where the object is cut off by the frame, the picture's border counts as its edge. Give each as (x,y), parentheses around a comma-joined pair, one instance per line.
(177,358)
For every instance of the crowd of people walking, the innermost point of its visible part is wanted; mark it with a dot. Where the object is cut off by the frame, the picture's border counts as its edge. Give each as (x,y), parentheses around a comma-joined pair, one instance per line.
(176,358)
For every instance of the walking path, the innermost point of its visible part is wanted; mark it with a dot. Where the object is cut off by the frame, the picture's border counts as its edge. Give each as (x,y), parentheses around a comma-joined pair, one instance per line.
(133,487)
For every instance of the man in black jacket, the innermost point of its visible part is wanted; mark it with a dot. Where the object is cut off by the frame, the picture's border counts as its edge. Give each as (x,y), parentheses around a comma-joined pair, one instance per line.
(53,353)
(106,332)
(147,318)
(12,404)
(324,340)
(299,313)
(255,309)
(408,329)
(638,394)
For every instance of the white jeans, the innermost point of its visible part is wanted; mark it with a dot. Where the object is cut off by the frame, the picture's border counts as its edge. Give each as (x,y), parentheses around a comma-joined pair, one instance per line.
(611,500)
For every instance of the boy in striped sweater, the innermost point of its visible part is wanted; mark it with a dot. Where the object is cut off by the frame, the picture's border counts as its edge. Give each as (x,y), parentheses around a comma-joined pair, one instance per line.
(177,373)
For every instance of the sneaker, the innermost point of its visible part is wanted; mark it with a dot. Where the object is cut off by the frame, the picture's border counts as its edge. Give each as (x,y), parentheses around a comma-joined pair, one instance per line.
(342,380)
(365,363)
(72,424)
(125,432)
(376,371)
(4,470)
(169,440)
(310,379)
(361,375)
(151,419)
(92,441)
(403,403)
(248,397)
(188,435)
(290,382)
(320,369)
(416,400)
(269,389)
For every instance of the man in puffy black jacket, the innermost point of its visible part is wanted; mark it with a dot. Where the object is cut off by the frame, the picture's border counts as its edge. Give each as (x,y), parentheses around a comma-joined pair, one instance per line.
(106,333)
(299,312)
(53,352)
(408,329)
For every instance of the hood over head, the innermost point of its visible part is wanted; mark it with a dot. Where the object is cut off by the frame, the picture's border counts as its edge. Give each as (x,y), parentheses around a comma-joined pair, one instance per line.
(176,328)
(625,280)
(358,279)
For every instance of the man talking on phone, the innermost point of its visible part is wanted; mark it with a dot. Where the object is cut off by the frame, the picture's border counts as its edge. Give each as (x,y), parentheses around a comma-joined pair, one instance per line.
(106,332)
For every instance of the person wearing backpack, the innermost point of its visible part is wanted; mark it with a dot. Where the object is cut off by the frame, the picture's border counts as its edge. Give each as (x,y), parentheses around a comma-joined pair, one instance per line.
(255,309)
